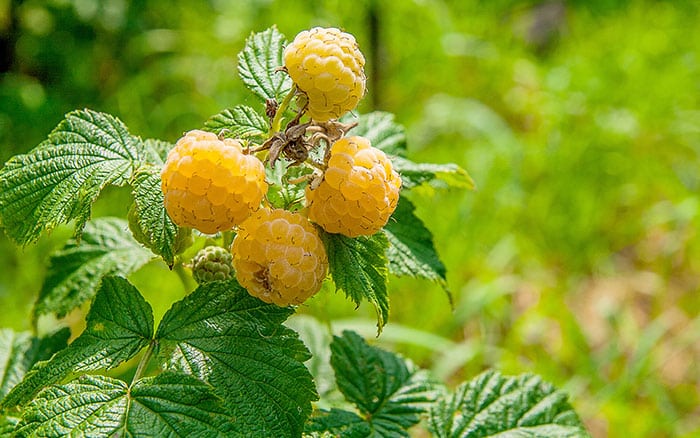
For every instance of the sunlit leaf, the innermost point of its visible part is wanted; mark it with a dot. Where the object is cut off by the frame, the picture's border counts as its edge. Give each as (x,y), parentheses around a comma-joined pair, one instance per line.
(359,268)
(259,61)
(59,180)
(495,405)
(382,131)
(411,251)
(119,325)
(75,271)
(155,151)
(237,343)
(155,228)
(168,405)
(241,121)
(437,175)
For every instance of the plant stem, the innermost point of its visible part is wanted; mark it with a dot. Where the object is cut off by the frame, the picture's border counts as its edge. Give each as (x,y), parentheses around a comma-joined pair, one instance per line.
(228,239)
(185,279)
(277,121)
(144,361)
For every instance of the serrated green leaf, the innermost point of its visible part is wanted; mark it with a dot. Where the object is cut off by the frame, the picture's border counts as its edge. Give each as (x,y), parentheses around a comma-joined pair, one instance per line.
(237,343)
(59,180)
(437,175)
(155,151)
(75,271)
(168,405)
(382,131)
(338,423)
(119,325)
(359,268)
(411,251)
(390,393)
(495,405)
(156,230)
(241,121)
(19,351)
(259,62)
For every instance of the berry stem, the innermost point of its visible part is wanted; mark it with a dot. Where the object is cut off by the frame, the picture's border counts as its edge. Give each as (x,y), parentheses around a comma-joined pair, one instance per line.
(186,280)
(228,238)
(276,124)
(144,361)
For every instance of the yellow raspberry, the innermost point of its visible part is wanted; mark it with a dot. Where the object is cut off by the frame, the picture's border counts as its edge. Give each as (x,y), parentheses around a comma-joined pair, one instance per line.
(279,257)
(210,184)
(359,190)
(328,66)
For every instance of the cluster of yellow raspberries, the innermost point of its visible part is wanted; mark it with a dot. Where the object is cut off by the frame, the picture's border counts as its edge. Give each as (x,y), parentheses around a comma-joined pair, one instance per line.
(213,184)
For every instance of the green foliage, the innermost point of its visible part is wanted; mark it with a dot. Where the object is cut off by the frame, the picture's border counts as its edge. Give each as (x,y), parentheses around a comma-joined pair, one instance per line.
(227,366)
(411,250)
(259,62)
(390,393)
(235,342)
(439,175)
(168,405)
(155,151)
(75,271)
(119,325)
(239,122)
(492,404)
(359,268)
(20,351)
(382,131)
(60,179)
(157,231)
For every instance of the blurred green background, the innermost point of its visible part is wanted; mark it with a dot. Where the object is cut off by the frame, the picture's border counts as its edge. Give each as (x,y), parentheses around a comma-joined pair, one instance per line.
(577,258)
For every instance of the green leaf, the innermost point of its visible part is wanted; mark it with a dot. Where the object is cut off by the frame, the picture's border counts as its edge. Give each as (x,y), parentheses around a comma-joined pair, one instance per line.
(237,343)
(168,405)
(389,392)
(359,268)
(437,175)
(241,121)
(155,228)
(20,351)
(155,151)
(338,423)
(282,194)
(59,180)
(259,62)
(7,426)
(106,248)
(382,131)
(492,404)
(411,251)
(119,325)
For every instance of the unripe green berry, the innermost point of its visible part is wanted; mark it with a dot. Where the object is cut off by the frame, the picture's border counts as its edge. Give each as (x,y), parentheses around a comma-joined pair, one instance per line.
(212,263)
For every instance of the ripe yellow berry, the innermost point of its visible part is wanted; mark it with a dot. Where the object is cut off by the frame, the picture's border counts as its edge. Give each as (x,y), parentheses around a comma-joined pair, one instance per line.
(279,257)
(210,184)
(359,190)
(328,66)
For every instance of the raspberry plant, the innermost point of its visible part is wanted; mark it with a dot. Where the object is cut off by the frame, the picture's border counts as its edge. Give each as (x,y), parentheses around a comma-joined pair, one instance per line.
(299,197)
